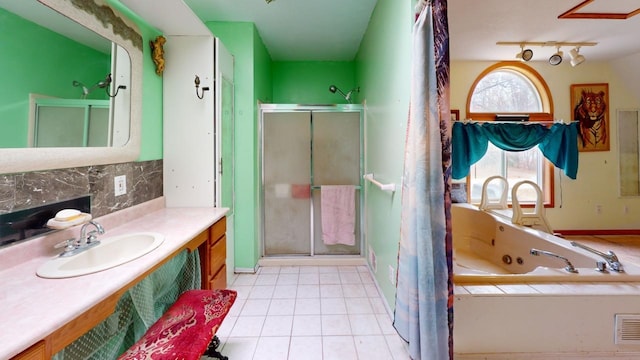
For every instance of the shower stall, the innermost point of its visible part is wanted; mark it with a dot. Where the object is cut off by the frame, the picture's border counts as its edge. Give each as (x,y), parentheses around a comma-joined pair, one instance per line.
(304,148)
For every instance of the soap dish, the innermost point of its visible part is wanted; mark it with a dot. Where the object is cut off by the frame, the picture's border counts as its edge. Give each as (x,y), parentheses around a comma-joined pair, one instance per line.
(80,218)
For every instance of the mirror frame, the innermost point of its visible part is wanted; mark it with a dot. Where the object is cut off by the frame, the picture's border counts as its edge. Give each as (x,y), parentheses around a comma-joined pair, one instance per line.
(101,18)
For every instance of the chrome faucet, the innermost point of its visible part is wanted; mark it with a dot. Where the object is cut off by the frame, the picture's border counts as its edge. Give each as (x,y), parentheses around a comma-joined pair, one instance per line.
(86,240)
(90,238)
(610,257)
(569,266)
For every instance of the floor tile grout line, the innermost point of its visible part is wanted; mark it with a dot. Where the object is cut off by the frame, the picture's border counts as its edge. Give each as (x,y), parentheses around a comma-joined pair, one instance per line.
(342,296)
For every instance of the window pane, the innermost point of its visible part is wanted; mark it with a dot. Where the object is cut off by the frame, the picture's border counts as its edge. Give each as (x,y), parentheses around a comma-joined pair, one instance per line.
(514,166)
(524,166)
(505,91)
(491,164)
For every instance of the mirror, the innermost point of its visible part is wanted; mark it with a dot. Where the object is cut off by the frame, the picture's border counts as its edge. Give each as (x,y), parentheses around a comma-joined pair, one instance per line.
(101,52)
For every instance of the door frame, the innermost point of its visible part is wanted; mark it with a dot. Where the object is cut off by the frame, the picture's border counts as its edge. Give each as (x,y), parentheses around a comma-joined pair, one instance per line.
(283,108)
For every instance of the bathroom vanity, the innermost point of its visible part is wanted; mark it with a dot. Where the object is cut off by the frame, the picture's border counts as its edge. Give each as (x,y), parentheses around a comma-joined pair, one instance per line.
(48,314)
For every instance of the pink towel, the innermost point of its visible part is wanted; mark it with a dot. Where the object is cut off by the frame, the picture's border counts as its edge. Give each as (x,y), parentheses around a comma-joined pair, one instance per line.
(338,213)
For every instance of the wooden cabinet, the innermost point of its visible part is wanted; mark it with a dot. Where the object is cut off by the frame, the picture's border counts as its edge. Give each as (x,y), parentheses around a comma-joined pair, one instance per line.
(35,352)
(213,255)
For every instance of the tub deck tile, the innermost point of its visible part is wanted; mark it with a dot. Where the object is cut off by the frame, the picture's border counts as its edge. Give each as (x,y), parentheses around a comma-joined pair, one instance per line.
(483,290)
(521,289)
(551,288)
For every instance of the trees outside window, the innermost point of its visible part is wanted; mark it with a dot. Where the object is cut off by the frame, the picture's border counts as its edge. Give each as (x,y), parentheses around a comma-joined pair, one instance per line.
(510,88)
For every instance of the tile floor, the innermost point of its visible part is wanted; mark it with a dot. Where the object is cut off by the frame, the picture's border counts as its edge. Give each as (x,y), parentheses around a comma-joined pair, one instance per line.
(309,313)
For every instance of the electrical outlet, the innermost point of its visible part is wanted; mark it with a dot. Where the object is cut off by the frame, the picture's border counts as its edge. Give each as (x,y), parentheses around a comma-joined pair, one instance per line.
(598,209)
(120,185)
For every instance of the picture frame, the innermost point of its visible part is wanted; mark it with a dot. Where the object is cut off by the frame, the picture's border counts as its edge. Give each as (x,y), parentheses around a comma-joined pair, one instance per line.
(455,115)
(590,107)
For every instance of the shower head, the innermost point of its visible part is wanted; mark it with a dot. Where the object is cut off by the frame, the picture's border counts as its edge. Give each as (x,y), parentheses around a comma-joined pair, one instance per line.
(104,83)
(85,91)
(346,96)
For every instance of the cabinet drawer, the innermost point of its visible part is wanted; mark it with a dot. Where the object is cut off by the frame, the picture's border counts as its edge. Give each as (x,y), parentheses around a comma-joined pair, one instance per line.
(218,229)
(217,255)
(219,281)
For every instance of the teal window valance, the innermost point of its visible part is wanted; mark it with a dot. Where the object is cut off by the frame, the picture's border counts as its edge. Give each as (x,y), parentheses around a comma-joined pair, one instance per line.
(559,143)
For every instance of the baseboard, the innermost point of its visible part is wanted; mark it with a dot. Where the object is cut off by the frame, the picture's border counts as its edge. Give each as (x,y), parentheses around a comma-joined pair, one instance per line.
(599,232)
(551,356)
(240,270)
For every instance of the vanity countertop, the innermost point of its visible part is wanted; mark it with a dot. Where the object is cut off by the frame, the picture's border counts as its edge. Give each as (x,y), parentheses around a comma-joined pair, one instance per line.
(33,307)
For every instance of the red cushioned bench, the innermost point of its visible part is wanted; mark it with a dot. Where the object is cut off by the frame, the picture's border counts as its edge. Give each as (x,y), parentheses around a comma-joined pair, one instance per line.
(187,330)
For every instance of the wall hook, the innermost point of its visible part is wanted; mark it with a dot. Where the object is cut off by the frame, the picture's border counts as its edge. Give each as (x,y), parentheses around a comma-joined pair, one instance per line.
(204,88)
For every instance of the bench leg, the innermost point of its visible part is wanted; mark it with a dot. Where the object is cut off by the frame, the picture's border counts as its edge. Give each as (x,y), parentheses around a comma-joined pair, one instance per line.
(212,350)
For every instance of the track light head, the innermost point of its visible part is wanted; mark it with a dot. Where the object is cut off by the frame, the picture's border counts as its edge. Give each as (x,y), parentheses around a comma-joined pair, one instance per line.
(556,58)
(576,58)
(524,54)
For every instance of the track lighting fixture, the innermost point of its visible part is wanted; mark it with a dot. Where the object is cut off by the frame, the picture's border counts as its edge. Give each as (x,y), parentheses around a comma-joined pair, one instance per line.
(556,58)
(576,58)
(526,54)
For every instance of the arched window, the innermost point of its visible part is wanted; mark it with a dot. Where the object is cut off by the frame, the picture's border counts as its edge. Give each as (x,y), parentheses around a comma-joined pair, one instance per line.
(511,88)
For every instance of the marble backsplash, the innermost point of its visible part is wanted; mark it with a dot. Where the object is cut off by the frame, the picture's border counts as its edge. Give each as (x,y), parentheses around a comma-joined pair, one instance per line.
(25,190)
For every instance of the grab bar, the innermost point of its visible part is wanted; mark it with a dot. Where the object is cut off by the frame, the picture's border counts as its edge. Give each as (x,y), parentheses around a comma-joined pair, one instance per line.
(386,187)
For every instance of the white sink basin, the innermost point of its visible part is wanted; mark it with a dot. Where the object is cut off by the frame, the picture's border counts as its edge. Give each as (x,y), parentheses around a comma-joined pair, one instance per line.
(111,252)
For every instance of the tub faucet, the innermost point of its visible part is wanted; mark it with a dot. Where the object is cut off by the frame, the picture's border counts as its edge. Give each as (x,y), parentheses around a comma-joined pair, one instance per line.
(568,268)
(610,257)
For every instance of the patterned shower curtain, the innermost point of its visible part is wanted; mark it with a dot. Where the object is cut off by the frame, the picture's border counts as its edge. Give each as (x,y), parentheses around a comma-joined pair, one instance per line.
(424,294)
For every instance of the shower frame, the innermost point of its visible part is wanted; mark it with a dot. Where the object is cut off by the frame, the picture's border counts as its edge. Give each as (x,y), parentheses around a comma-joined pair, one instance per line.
(284,108)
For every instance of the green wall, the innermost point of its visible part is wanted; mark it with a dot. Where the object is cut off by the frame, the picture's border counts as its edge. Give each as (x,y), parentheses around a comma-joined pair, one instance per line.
(259,80)
(40,63)
(383,67)
(307,82)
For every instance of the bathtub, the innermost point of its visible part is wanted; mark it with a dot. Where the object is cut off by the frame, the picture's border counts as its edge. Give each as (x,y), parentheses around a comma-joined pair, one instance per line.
(489,249)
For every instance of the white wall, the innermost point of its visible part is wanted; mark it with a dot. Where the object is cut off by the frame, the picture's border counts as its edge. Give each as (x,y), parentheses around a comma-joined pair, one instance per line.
(597,180)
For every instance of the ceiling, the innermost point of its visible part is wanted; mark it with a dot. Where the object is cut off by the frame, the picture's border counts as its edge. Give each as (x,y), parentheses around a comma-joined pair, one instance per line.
(332,29)
(297,30)
(474,30)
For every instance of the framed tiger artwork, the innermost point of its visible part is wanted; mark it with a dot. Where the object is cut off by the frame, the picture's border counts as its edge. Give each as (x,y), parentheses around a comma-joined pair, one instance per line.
(590,107)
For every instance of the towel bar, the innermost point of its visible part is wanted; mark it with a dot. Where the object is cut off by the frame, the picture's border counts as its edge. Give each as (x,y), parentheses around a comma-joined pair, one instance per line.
(386,187)
(317,187)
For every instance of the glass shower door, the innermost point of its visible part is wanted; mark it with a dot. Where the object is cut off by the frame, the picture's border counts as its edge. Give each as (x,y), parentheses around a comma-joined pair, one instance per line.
(336,161)
(286,189)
